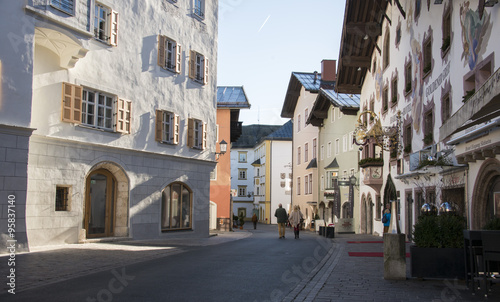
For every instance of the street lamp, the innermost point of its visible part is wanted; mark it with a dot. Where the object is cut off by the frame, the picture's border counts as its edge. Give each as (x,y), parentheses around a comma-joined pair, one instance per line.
(223,149)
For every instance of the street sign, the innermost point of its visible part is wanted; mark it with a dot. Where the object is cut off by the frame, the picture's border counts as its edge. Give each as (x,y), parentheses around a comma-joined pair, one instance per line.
(344,183)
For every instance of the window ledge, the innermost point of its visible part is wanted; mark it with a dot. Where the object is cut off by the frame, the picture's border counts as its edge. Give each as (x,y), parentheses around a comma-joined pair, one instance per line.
(96,128)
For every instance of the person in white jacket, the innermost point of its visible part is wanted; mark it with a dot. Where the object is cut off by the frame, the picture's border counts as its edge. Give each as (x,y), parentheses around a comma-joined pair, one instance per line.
(296,219)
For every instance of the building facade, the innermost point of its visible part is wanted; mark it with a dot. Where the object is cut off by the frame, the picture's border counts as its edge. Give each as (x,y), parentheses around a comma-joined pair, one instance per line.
(113,110)
(420,67)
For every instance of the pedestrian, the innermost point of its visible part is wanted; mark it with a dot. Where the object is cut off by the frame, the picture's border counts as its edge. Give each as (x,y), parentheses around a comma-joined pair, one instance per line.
(254,220)
(386,219)
(282,218)
(296,219)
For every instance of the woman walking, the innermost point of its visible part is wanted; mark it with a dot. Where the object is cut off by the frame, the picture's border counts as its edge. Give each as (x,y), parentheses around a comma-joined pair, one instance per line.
(296,218)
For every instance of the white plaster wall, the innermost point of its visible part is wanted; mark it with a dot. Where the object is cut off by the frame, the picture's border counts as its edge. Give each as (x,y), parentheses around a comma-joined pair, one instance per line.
(281,157)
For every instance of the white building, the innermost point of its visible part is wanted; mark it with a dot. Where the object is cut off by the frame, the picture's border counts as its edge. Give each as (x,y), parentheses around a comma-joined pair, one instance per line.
(434,63)
(273,173)
(242,171)
(107,118)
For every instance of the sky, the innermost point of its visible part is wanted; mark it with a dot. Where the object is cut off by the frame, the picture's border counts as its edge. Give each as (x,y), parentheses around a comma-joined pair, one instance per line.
(261,42)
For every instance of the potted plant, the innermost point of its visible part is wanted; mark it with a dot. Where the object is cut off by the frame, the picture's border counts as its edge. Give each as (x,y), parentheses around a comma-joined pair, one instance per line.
(428,138)
(242,221)
(438,247)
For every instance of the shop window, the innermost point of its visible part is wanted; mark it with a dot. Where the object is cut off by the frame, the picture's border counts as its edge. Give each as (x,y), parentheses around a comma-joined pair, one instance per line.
(176,207)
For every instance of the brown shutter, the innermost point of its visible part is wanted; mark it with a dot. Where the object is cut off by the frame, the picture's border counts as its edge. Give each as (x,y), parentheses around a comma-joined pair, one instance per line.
(205,76)
(204,145)
(176,129)
(123,116)
(178,58)
(113,29)
(159,125)
(71,110)
(161,50)
(190,138)
(192,64)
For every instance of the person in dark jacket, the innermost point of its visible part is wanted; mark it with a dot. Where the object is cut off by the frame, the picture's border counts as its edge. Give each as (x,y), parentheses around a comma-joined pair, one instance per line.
(254,220)
(282,218)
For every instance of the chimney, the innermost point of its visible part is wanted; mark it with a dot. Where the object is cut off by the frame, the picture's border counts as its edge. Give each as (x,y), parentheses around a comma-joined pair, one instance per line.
(329,70)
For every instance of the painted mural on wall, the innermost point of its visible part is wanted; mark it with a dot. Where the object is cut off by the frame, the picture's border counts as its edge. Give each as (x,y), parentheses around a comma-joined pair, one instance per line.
(474,31)
(417,73)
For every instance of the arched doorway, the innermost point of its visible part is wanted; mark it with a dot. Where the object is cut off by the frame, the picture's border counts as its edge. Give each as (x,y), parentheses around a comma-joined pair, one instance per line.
(486,190)
(100,205)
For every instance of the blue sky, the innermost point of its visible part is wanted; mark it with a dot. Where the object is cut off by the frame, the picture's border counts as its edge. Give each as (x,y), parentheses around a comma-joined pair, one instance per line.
(261,42)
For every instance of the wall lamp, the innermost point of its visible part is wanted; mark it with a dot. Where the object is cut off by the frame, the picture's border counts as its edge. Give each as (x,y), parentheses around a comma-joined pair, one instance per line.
(223,149)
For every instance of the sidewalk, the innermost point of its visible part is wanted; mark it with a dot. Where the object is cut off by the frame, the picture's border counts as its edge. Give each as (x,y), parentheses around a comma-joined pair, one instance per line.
(37,268)
(341,277)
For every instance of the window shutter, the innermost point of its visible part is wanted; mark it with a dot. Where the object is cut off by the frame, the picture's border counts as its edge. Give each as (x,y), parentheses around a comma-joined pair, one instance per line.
(113,28)
(190,140)
(205,77)
(71,103)
(176,129)
(123,116)
(204,146)
(192,64)
(159,125)
(178,58)
(161,50)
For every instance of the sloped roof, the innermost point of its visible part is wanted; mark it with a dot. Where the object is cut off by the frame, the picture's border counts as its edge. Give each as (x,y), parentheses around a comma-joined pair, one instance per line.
(348,104)
(285,132)
(232,97)
(311,81)
(333,164)
(312,164)
(252,134)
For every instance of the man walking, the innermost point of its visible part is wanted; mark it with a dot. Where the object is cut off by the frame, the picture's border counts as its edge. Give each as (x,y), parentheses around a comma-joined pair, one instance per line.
(282,217)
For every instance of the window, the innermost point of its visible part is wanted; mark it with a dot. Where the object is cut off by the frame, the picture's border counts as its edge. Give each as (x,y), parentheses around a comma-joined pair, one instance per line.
(322,183)
(169,54)
(298,185)
(299,154)
(95,109)
(408,78)
(167,127)
(418,7)
(394,91)
(352,172)
(306,152)
(445,107)
(306,184)
(385,99)
(322,152)
(344,143)
(242,191)
(106,25)
(329,150)
(242,158)
(331,178)
(428,125)
(66,6)
(176,207)
(351,140)
(213,174)
(198,67)
(197,134)
(310,183)
(333,114)
(242,173)
(446,31)
(407,138)
(298,123)
(386,49)
(314,149)
(427,55)
(337,146)
(199,8)
(62,198)
(306,115)
(398,34)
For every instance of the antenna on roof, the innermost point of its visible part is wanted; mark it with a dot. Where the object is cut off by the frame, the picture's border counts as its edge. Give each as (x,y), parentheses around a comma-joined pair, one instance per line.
(315,76)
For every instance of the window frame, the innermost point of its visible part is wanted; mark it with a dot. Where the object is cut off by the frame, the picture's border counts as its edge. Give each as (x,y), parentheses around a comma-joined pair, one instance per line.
(240,154)
(183,188)
(110,22)
(167,127)
(199,9)
(198,67)
(65,206)
(427,56)
(169,54)
(385,99)
(108,109)
(197,134)
(394,91)
(408,79)
(306,152)
(60,6)
(242,173)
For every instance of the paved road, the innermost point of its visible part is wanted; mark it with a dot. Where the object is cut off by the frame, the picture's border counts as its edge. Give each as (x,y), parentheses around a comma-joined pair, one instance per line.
(259,267)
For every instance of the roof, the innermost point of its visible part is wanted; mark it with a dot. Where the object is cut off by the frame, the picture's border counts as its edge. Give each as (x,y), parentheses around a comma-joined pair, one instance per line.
(285,132)
(252,134)
(361,29)
(311,81)
(312,164)
(348,104)
(232,97)
(333,164)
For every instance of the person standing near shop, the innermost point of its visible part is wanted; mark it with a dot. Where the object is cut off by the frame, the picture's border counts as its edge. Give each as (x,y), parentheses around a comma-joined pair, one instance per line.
(254,220)
(386,219)
(280,214)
